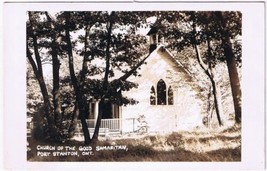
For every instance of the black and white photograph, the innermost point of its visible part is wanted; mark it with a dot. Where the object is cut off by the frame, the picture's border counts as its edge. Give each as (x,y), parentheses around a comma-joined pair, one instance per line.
(134,85)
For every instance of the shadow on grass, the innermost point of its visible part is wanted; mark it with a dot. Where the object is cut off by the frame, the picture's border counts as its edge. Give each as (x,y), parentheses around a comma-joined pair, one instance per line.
(153,148)
(142,153)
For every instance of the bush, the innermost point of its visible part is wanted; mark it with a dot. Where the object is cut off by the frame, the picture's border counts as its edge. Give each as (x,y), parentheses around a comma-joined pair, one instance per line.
(233,129)
(141,151)
(175,140)
(40,127)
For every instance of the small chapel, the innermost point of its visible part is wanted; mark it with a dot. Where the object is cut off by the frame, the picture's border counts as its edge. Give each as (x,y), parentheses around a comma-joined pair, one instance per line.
(166,96)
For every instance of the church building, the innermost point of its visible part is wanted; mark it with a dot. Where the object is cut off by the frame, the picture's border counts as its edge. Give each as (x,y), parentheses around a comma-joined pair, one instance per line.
(166,95)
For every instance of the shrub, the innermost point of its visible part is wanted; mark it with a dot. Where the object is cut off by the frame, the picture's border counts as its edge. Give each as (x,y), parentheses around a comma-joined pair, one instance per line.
(141,150)
(175,140)
(40,127)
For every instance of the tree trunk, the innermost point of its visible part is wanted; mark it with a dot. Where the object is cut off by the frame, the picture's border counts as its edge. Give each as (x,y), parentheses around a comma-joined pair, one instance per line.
(47,105)
(232,68)
(75,83)
(78,109)
(83,104)
(56,88)
(105,82)
(235,84)
(56,67)
(74,119)
(109,25)
(208,72)
(217,98)
(98,121)
(85,128)
(38,71)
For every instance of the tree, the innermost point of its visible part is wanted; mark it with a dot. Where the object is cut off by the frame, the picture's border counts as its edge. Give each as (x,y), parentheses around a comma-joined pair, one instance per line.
(56,66)
(230,24)
(210,59)
(121,52)
(203,31)
(96,49)
(187,31)
(32,36)
(110,37)
(77,85)
(44,36)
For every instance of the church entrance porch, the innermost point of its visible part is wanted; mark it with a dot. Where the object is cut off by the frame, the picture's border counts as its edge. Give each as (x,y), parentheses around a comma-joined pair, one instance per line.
(111,122)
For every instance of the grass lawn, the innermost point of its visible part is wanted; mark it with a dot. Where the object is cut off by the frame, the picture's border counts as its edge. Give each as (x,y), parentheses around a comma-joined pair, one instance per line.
(198,145)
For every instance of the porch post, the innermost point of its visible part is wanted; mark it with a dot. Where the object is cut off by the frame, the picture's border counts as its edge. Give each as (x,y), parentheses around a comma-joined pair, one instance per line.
(120,119)
(113,111)
(96,112)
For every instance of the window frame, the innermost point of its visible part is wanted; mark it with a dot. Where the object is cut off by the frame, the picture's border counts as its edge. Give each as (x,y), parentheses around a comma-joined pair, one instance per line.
(161,94)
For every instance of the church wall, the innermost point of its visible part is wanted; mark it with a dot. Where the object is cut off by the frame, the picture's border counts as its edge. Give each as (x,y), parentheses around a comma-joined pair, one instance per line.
(183,114)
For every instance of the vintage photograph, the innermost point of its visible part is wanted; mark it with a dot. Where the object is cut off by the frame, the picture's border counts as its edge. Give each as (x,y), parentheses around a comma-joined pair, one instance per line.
(133,86)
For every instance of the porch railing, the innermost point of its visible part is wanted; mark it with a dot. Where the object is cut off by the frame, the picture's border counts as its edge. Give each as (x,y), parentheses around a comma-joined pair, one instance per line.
(112,125)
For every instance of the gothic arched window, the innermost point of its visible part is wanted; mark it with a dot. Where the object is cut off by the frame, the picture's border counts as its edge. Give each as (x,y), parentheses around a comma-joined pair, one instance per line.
(161,93)
(152,96)
(170,96)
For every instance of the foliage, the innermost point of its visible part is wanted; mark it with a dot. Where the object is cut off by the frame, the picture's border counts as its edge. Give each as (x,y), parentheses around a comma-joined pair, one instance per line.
(178,28)
(34,97)
(215,36)
(142,127)
(110,37)
(40,130)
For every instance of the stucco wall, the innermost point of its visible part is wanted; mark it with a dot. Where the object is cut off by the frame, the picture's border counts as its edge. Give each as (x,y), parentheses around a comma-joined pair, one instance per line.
(183,114)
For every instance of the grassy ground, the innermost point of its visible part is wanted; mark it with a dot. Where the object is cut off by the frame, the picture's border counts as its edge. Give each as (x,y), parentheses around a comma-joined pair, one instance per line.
(198,145)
